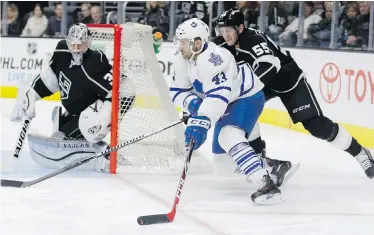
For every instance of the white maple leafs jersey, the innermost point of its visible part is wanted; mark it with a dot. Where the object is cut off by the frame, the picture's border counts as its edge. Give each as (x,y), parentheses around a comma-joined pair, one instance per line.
(215,77)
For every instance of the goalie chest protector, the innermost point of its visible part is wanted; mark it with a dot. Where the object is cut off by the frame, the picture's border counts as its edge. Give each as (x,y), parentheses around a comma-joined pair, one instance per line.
(81,85)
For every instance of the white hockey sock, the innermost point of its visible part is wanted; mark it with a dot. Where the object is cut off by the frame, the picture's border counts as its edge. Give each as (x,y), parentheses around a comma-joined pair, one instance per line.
(343,139)
(233,141)
(256,176)
(245,157)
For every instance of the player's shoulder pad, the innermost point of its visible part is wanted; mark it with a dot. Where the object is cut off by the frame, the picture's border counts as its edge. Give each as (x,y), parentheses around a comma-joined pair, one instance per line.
(62,46)
(96,58)
(250,38)
(213,60)
(96,62)
(97,55)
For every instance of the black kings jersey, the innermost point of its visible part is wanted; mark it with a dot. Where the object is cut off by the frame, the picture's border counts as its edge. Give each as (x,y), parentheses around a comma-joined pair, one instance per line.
(274,65)
(79,85)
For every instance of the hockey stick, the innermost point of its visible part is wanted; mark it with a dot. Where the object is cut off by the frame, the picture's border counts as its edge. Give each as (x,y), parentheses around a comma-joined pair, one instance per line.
(22,136)
(24,184)
(169,217)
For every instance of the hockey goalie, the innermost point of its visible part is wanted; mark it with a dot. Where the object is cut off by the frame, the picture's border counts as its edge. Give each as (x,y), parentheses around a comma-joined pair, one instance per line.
(84,78)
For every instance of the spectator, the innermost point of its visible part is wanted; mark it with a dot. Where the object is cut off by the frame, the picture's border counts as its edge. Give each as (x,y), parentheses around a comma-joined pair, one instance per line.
(360,33)
(36,24)
(277,20)
(346,27)
(13,21)
(155,17)
(318,8)
(251,13)
(343,11)
(86,13)
(227,5)
(289,36)
(291,7)
(191,9)
(321,32)
(54,22)
(96,15)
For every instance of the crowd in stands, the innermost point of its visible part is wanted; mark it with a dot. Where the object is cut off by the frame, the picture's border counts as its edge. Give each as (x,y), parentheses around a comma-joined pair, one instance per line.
(281,22)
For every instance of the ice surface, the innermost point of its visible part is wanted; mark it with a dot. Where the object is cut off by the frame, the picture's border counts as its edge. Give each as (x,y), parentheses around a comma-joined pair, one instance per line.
(329,194)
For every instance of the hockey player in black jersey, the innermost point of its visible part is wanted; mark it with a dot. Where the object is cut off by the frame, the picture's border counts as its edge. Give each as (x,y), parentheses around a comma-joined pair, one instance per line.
(84,78)
(283,78)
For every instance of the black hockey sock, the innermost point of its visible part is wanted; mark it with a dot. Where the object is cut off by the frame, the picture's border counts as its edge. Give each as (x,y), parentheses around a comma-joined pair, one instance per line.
(69,126)
(354,148)
(257,144)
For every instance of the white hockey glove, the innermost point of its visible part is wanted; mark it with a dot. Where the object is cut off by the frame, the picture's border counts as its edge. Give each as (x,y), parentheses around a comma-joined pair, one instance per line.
(25,105)
(94,121)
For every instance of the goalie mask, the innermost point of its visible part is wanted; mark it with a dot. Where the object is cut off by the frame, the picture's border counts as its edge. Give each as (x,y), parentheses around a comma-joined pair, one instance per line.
(78,41)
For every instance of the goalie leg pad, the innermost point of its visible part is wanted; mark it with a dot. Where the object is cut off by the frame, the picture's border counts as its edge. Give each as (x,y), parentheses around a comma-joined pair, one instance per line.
(56,153)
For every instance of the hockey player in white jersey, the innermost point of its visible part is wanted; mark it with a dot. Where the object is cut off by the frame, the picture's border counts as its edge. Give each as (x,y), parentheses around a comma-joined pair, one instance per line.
(211,87)
(84,78)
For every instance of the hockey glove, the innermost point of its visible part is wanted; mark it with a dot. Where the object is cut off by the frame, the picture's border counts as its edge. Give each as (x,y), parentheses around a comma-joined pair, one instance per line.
(192,104)
(94,121)
(196,130)
(25,105)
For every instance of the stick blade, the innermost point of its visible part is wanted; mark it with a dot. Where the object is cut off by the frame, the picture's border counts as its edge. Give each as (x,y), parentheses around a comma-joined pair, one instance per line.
(154,219)
(12,183)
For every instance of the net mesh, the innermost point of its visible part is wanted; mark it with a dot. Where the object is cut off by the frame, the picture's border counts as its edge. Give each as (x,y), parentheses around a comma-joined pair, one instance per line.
(164,151)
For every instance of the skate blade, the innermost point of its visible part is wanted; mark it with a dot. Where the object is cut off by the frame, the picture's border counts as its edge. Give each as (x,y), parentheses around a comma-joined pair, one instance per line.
(289,174)
(269,199)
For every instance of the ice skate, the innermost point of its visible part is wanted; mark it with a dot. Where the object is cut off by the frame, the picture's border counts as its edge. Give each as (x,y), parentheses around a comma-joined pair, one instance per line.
(280,171)
(366,161)
(267,192)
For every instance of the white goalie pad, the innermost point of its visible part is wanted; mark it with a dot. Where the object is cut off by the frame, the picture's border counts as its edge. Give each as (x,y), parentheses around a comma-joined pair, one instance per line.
(56,153)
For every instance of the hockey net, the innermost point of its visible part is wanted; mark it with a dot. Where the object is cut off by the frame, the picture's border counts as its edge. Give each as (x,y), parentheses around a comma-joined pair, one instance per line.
(129,48)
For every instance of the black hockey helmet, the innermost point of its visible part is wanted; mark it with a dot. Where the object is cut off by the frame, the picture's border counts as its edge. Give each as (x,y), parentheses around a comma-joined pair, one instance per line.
(231,18)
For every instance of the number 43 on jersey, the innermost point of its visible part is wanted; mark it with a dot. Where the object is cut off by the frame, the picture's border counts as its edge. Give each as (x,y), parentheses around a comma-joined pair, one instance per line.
(219,78)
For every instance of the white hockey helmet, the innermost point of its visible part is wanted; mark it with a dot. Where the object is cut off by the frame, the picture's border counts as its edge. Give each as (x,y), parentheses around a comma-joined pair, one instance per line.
(78,41)
(192,29)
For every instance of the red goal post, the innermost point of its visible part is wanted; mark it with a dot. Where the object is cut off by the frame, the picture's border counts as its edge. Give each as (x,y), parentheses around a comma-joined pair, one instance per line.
(117,29)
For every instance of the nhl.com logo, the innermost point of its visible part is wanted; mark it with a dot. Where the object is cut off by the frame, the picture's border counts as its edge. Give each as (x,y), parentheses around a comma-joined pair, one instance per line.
(330,82)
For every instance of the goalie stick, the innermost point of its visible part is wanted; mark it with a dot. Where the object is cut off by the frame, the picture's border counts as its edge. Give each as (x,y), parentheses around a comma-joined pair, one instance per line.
(22,135)
(169,217)
(24,184)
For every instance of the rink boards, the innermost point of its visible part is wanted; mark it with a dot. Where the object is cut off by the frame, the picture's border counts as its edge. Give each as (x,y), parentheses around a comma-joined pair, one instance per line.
(343,82)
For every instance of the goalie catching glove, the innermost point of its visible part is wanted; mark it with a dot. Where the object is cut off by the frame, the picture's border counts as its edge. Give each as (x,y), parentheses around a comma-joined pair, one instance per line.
(94,121)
